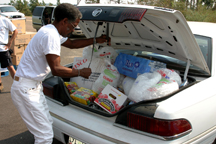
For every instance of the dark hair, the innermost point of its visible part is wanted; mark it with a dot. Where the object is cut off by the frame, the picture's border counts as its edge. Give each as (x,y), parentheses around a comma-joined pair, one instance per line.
(67,10)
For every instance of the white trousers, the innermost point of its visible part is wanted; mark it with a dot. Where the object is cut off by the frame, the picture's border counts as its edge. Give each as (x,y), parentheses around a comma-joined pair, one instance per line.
(28,97)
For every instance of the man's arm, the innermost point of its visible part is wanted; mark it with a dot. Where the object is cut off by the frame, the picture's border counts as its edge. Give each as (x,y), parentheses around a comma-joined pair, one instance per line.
(59,70)
(80,43)
(7,46)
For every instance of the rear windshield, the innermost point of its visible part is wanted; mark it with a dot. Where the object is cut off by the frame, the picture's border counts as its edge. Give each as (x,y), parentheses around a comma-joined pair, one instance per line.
(38,11)
(173,63)
(8,9)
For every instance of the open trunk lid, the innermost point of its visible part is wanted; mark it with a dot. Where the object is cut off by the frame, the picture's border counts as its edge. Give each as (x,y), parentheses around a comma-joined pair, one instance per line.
(146,28)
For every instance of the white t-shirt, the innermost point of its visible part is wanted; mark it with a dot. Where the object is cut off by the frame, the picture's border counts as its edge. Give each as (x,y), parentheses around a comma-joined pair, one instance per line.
(5,26)
(33,64)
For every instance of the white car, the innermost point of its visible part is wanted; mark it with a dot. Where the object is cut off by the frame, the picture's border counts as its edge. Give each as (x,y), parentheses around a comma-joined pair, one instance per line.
(11,12)
(184,116)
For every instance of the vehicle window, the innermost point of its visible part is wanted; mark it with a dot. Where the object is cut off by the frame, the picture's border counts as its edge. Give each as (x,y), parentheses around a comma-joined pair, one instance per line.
(205,44)
(38,11)
(8,9)
(171,62)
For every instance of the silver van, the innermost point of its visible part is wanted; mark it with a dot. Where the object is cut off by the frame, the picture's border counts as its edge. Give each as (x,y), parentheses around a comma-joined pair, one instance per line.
(43,15)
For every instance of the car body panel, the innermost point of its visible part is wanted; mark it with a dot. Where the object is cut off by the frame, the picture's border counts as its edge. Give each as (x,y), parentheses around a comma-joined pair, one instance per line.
(194,103)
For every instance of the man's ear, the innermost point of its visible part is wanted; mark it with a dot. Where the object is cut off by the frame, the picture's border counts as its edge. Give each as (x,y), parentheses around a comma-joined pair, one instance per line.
(65,20)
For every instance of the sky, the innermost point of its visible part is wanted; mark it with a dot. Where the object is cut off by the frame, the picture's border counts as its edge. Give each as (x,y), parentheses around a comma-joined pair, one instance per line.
(46,1)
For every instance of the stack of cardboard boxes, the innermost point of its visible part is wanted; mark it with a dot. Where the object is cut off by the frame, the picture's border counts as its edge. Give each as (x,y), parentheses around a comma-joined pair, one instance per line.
(21,41)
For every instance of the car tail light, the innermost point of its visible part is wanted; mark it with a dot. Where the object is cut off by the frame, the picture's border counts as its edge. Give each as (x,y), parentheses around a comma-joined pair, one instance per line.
(169,129)
(132,14)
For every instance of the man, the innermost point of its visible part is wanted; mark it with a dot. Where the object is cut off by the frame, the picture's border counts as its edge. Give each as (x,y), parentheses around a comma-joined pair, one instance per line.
(47,17)
(5,59)
(41,55)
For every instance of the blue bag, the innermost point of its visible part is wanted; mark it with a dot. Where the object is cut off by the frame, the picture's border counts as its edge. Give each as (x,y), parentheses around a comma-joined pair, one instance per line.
(134,66)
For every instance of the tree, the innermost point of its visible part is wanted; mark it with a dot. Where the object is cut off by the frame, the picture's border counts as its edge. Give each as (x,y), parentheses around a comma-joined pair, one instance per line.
(12,2)
(33,4)
(58,2)
(43,3)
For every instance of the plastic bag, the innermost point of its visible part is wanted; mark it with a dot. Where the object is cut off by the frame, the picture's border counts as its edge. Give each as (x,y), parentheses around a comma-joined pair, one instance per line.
(161,89)
(127,83)
(141,84)
(107,52)
(109,75)
(97,66)
(170,75)
(134,66)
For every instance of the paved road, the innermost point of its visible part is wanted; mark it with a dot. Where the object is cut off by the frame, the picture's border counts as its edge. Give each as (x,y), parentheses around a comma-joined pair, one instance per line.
(12,128)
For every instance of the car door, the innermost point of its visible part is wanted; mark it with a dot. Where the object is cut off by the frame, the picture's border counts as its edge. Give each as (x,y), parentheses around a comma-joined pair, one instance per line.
(50,15)
(37,17)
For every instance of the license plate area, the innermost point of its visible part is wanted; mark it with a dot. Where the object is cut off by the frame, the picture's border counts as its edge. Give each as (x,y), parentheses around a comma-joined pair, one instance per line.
(74,141)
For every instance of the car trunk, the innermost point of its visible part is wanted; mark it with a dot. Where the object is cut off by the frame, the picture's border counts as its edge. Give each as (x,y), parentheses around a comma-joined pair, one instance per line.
(150,29)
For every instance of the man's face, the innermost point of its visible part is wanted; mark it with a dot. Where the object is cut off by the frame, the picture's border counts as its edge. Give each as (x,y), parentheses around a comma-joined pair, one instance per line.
(70,27)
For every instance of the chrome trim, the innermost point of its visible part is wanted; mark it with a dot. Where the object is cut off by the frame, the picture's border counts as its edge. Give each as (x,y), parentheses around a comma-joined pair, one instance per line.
(152,135)
(55,101)
(201,135)
(86,130)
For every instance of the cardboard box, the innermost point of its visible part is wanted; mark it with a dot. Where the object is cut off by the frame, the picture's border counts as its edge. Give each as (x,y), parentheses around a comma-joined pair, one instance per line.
(18,49)
(20,25)
(16,59)
(23,38)
(111,100)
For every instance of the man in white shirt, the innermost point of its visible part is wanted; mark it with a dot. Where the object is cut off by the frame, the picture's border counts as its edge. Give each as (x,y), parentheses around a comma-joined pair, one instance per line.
(42,55)
(5,59)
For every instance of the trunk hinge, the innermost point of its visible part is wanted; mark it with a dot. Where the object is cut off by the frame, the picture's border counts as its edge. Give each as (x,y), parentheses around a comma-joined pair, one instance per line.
(185,81)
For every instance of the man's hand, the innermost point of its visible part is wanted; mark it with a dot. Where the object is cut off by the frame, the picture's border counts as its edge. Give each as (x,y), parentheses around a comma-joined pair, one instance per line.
(6,47)
(103,39)
(85,72)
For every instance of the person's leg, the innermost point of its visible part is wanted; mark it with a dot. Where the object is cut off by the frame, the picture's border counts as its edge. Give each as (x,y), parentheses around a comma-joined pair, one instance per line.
(1,84)
(31,104)
(12,71)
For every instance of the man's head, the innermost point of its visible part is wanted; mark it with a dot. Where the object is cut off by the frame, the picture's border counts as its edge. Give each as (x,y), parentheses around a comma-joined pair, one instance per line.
(67,10)
(68,16)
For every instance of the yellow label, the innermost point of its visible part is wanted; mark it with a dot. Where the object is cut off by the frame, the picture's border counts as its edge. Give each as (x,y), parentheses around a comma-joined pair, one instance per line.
(106,106)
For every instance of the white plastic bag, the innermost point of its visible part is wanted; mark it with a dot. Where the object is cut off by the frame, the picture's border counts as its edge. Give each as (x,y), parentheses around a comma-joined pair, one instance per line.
(107,52)
(170,75)
(161,89)
(97,66)
(127,84)
(109,75)
(141,84)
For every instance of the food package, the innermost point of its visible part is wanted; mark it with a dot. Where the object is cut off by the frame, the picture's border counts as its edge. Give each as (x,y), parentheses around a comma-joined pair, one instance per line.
(161,89)
(71,86)
(107,53)
(109,75)
(170,75)
(84,96)
(134,66)
(141,84)
(97,66)
(111,100)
